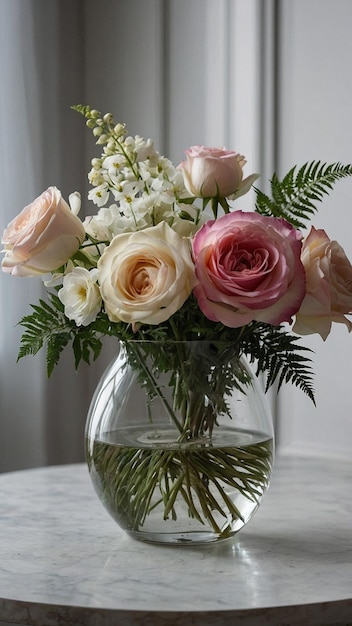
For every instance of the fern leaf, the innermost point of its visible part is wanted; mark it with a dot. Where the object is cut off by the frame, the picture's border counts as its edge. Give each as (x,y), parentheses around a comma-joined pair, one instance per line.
(55,345)
(295,197)
(86,346)
(48,325)
(279,356)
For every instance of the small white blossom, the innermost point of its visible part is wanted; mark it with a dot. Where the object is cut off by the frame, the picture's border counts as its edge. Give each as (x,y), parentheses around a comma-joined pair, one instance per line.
(95,177)
(127,189)
(99,195)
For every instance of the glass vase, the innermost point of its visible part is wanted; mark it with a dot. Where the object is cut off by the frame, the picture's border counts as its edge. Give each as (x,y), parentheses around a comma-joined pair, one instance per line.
(179,441)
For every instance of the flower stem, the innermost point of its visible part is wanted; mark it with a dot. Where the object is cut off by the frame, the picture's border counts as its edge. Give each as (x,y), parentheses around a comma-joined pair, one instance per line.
(156,386)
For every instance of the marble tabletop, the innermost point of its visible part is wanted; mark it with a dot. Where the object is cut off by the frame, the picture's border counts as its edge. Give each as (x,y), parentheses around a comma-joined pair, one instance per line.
(64,561)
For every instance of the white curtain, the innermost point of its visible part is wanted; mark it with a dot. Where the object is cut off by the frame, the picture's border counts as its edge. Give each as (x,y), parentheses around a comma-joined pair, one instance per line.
(21,174)
(41,145)
(171,70)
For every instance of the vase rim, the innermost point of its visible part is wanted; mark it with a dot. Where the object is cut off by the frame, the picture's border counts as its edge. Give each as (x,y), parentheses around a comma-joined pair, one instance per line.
(179,341)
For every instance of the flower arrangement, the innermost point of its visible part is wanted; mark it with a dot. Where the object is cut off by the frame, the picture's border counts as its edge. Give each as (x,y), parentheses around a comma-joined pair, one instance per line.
(167,256)
(154,264)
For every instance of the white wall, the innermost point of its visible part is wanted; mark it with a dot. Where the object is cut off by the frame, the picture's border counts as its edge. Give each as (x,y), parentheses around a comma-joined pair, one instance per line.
(315,94)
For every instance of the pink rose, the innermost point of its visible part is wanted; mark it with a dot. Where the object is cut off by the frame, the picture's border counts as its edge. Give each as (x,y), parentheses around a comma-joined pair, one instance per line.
(215,173)
(42,237)
(249,268)
(329,286)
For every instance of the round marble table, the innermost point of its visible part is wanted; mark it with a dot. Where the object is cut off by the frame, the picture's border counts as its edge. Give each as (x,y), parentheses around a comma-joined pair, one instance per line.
(65,562)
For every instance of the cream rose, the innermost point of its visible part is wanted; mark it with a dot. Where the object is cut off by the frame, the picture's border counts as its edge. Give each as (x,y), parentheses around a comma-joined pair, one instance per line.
(42,237)
(215,173)
(81,296)
(329,286)
(146,276)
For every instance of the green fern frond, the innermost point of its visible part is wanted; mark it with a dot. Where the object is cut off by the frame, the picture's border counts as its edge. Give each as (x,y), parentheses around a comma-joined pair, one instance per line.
(296,195)
(86,347)
(55,345)
(48,325)
(279,356)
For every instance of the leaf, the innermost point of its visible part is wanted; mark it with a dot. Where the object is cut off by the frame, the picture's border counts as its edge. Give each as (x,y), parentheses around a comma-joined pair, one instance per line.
(55,345)
(279,356)
(296,195)
(49,326)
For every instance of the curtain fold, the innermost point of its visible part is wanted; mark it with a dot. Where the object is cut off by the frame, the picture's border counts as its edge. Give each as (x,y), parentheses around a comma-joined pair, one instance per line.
(21,386)
(148,62)
(42,144)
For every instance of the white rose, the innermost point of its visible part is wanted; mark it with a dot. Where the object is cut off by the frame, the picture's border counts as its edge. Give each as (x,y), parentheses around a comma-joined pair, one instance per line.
(81,296)
(146,276)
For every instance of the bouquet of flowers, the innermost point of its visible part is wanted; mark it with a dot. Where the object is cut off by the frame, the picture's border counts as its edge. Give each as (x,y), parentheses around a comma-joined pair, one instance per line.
(168,256)
(153,264)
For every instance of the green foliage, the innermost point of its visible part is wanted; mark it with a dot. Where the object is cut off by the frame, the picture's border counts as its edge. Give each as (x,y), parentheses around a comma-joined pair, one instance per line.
(279,356)
(49,326)
(295,197)
(276,353)
(46,325)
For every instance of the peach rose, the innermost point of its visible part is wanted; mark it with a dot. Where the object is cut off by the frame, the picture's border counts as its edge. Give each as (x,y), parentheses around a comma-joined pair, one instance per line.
(42,237)
(215,173)
(329,286)
(145,276)
(249,268)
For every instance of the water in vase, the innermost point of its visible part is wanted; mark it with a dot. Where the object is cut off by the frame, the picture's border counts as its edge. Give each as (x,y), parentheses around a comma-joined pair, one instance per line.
(161,490)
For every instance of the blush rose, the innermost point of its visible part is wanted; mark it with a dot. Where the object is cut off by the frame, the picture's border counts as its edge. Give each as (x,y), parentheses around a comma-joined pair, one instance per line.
(145,276)
(215,172)
(329,286)
(42,237)
(249,268)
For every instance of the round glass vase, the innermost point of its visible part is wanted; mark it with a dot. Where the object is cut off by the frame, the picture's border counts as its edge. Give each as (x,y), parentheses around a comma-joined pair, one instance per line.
(179,441)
